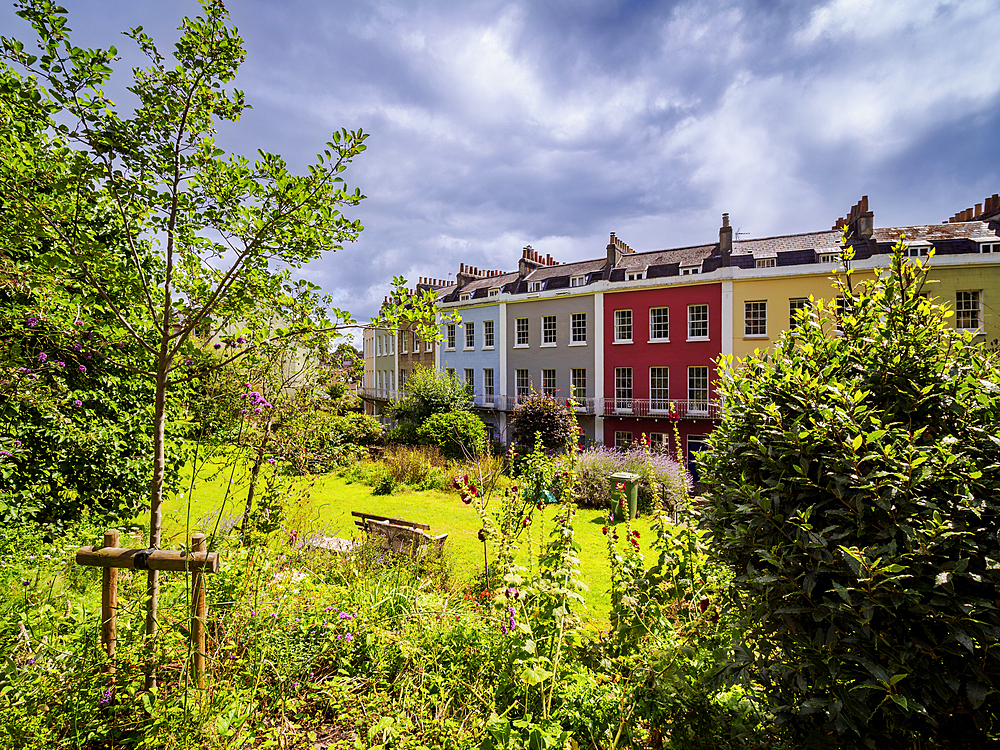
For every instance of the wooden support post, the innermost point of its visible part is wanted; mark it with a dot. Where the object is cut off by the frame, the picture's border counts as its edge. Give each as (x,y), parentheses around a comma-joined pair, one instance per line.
(109,603)
(199,614)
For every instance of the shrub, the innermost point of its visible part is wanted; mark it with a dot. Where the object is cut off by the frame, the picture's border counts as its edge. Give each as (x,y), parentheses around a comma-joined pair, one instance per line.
(458,434)
(420,467)
(853,488)
(428,392)
(539,414)
(356,429)
(662,478)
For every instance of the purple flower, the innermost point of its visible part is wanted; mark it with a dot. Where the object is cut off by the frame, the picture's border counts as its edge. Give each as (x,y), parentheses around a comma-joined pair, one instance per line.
(17,442)
(244,411)
(32,322)
(42,356)
(77,402)
(31,662)
(189,361)
(5,453)
(89,355)
(217,346)
(77,347)
(25,582)
(258,410)
(60,364)
(348,637)
(82,368)
(327,609)
(246,385)
(78,322)
(271,461)
(241,340)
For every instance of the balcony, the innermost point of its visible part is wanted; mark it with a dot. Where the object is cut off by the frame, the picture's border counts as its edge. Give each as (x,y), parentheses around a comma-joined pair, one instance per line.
(657,408)
(380,394)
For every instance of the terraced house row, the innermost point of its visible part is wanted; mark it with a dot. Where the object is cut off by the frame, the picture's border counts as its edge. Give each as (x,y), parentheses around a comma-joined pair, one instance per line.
(634,337)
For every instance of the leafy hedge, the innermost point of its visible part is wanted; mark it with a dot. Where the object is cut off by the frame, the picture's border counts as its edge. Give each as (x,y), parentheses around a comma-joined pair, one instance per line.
(854,490)
(662,480)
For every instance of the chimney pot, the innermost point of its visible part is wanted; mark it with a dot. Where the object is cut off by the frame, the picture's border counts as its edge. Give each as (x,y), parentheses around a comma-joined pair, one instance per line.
(979,209)
(725,220)
(864,204)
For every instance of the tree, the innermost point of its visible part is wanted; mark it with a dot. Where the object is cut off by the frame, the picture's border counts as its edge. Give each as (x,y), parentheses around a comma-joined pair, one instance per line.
(546,416)
(211,239)
(430,392)
(853,489)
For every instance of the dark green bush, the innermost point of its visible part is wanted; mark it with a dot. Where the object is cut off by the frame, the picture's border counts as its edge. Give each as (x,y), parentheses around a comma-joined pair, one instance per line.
(854,485)
(543,415)
(357,429)
(459,434)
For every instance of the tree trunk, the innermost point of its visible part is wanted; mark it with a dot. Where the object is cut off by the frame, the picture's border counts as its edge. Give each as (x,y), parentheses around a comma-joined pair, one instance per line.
(253,479)
(155,515)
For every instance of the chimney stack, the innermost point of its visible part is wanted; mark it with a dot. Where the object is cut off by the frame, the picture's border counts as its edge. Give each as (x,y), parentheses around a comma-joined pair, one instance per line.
(726,241)
(860,221)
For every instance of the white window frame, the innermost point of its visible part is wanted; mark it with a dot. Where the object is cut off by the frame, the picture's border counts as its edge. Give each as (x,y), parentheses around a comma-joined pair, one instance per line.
(522,383)
(573,382)
(665,323)
(549,388)
(916,251)
(546,319)
(795,304)
(658,441)
(829,257)
(416,343)
(765,262)
(488,382)
(755,319)
(428,346)
(690,270)
(449,341)
(696,375)
(621,441)
(971,305)
(517,333)
(659,394)
(493,293)
(635,275)
(574,329)
(534,286)
(403,343)
(465,297)
(487,334)
(470,335)
(470,379)
(989,247)
(620,324)
(624,388)
(575,281)
(692,322)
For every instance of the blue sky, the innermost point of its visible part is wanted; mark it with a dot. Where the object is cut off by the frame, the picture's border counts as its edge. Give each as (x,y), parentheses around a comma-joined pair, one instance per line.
(500,124)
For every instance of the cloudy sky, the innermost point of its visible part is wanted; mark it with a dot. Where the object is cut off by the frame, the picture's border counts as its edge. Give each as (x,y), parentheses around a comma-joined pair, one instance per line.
(500,124)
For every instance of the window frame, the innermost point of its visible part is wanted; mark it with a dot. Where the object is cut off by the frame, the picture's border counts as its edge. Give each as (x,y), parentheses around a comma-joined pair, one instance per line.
(470,334)
(577,281)
(470,379)
(795,304)
(549,381)
(660,402)
(665,324)
(522,390)
(449,338)
(534,286)
(573,329)
(978,310)
(702,371)
(573,382)
(488,340)
(625,442)
(765,262)
(550,325)
(620,326)
(691,322)
(488,382)
(755,319)
(624,383)
(517,333)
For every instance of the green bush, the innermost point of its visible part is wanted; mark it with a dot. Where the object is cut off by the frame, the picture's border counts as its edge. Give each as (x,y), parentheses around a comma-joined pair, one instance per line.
(356,429)
(543,415)
(854,490)
(459,434)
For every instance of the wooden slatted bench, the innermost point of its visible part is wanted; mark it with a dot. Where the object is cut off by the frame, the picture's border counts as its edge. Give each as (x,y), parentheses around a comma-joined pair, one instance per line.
(361,521)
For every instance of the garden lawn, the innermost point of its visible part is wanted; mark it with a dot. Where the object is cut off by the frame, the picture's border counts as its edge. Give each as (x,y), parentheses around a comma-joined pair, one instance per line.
(325,505)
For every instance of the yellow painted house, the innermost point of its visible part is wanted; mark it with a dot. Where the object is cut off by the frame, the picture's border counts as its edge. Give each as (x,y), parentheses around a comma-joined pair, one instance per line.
(785,271)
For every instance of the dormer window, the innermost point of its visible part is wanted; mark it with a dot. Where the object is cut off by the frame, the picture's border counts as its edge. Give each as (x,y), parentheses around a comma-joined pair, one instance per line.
(463,297)
(577,280)
(829,257)
(534,286)
(493,292)
(635,275)
(990,248)
(766,262)
(915,251)
(690,270)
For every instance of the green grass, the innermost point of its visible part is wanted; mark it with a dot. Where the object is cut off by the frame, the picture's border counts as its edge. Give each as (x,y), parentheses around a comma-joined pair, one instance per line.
(327,501)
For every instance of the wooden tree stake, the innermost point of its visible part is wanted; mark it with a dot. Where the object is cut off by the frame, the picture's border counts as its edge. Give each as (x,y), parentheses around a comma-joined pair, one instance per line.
(109,603)
(199,615)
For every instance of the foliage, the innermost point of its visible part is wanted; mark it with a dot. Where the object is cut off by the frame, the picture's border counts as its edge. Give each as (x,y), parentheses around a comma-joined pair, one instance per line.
(419,467)
(458,434)
(539,414)
(664,481)
(428,392)
(853,490)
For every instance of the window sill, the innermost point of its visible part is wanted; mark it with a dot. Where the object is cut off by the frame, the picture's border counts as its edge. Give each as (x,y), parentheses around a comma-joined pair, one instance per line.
(468,348)
(577,343)
(546,346)
(699,338)
(449,348)
(615,343)
(521,346)
(487,348)
(756,337)
(658,341)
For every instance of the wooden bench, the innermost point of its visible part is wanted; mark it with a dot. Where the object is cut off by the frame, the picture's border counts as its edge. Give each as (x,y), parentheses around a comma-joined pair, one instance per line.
(361,521)
(400,536)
